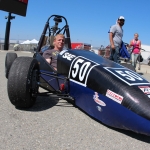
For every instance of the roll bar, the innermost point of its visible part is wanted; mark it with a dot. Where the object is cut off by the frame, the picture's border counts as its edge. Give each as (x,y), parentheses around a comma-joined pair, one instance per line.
(54,30)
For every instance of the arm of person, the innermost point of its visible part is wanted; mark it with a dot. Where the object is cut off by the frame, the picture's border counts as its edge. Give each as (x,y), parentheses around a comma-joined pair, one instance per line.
(111,35)
(47,56)
(140,47)
(111,40)
(48,60)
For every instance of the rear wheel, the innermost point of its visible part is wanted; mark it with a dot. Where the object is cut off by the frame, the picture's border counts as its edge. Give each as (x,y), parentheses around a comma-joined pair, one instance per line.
(22,83)
(129,66)
(9,59)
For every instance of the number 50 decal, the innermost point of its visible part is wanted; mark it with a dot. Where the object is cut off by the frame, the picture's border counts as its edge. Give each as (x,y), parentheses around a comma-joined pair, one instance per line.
(127,76)
(80,69)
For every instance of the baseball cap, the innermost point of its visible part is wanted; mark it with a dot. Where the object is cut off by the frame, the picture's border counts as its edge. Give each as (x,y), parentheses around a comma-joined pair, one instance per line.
(121,17)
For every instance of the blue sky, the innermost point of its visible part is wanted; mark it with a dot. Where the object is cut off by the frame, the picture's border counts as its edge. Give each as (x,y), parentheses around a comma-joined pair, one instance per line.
(89,20)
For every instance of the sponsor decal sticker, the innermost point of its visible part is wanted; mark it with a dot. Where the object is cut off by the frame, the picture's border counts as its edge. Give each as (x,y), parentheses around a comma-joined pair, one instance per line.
(97,100)
(68,56)
(114,96)
(63,51)
(145,89)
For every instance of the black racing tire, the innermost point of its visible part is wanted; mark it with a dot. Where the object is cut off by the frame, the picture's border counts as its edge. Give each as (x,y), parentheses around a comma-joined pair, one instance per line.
(22,85)
(9,59)
(129,66)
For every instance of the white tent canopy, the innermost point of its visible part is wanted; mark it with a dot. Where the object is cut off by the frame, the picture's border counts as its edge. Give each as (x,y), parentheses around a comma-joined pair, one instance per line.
(34,41)
(26,42)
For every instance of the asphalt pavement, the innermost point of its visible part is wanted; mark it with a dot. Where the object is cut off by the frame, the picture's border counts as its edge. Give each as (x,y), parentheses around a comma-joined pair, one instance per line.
(53,124)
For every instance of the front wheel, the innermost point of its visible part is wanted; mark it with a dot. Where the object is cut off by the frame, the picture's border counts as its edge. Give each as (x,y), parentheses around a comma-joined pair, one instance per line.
(22,83)
(9,59)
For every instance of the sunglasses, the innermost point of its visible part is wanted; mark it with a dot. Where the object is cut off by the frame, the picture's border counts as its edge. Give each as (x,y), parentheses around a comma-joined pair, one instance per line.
(122,20)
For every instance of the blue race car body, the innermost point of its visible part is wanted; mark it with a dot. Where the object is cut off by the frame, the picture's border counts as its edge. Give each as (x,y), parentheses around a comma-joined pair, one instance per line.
(107,91)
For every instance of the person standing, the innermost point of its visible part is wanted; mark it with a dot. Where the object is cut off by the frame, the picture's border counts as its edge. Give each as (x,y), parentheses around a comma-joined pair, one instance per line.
(115,37)
(136,44)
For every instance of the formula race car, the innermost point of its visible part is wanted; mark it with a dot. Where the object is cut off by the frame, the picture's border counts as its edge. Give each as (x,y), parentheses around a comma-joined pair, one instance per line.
(105,90)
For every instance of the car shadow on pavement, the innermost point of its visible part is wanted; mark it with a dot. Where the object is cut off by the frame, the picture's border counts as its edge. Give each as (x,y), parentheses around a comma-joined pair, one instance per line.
(132,134)
(43,103)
